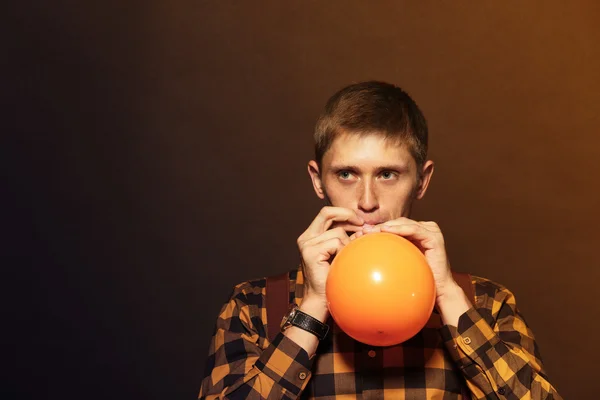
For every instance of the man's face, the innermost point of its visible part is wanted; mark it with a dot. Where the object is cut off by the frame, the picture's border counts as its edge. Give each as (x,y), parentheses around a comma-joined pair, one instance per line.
(373,176)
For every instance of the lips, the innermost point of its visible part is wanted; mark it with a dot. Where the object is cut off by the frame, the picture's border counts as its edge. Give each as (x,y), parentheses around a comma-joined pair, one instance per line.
(372,222)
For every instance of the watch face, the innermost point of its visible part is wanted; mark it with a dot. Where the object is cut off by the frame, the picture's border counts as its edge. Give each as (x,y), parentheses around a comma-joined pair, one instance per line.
(287,320)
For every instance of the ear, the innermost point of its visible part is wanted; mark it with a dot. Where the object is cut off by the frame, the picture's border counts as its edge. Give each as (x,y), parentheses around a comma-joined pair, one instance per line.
(426,174)
(315,176)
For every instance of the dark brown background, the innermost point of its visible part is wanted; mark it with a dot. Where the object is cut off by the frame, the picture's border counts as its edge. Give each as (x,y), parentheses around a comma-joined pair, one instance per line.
(154,155)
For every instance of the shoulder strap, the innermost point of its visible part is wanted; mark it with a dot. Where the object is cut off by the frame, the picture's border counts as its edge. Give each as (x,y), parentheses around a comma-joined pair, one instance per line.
(277,301)
(465,283)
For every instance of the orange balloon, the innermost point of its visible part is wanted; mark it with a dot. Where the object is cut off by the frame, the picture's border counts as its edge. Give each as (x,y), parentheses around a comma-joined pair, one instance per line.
(380,289)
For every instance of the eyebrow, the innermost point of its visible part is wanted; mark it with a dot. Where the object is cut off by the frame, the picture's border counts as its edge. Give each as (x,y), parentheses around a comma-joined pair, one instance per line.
(387,167)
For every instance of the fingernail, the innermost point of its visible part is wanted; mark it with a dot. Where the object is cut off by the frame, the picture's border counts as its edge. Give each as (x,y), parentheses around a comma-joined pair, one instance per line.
(367,228)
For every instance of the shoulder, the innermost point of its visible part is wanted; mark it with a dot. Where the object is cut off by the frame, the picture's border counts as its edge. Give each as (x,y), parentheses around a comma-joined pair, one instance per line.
(492,295)
(249,292)
(484,286)
(253,292)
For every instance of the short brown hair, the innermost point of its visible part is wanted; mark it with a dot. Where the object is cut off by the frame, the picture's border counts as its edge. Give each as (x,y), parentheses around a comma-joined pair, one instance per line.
(373,108)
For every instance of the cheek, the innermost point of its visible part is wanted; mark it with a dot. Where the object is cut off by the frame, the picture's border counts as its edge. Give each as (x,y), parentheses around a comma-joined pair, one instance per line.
(396,201)
(400,190)
(341,195)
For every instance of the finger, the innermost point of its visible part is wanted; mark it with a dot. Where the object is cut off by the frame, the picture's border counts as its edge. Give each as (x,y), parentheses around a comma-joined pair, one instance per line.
(400,221)
(428,225)
(367,229)
(371,228)
(356,235)
(328,215)
(413,232)
(329,248)
(338,233)
(346,226)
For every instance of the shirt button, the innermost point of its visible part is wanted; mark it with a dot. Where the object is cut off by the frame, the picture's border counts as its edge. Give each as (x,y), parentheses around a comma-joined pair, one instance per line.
(467,340)
(501,391)
(302,375)
(372,353)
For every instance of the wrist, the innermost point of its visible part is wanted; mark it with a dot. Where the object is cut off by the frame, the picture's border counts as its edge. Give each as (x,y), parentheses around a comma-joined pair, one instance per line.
(447,290)
(452,303)
(315,306)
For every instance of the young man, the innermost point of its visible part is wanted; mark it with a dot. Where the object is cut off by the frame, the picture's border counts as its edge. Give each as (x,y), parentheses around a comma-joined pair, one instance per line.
(370,165)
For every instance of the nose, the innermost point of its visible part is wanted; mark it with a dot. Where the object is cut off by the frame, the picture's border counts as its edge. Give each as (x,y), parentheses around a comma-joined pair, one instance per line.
(367,201)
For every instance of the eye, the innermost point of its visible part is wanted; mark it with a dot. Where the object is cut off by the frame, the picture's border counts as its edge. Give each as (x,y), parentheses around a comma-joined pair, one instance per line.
(386,175)
(345,175)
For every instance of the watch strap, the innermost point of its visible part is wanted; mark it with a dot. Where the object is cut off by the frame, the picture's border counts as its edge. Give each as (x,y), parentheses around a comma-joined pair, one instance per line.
(309,324)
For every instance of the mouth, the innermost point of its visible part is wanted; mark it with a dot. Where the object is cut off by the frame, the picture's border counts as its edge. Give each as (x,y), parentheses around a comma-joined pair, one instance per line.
(373,222)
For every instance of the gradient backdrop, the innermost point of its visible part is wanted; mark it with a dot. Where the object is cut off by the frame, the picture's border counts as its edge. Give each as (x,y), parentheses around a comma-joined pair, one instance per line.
(154,155)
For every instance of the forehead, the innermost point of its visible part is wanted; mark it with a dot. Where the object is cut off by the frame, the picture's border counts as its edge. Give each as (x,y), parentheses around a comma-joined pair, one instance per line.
(367,150)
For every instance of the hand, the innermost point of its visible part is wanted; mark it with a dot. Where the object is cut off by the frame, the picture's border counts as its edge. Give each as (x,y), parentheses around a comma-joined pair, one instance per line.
(320,242)
(428,237)
(325,236)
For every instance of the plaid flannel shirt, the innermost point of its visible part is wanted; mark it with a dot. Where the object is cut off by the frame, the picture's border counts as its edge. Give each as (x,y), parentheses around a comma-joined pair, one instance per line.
(492,354)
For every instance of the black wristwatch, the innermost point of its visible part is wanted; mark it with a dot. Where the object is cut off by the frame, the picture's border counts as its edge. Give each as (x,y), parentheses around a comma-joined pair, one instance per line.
(304,321)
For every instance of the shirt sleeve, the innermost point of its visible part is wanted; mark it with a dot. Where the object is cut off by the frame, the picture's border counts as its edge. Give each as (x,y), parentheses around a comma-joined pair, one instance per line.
(242,364)
(496,351)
